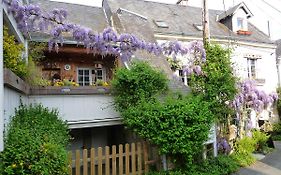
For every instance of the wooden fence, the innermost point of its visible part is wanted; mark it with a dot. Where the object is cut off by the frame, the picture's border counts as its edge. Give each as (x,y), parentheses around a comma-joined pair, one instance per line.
(132,160)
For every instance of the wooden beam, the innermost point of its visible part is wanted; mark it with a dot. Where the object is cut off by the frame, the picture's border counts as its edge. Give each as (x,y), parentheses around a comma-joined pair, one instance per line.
(13,25)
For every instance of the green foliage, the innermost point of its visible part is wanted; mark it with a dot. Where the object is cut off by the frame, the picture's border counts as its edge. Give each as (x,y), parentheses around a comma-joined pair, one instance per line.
(218,84)
(34,75)
(35,143)
(36,51)
(277,131)
(221,165)
(139,82)
(175,64)
(12,54)
(243,151)
(178,125)
(35,55)
(260,139)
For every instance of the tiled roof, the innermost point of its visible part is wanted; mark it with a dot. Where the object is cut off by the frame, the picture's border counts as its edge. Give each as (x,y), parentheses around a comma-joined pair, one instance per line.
(181,20)
(91,17)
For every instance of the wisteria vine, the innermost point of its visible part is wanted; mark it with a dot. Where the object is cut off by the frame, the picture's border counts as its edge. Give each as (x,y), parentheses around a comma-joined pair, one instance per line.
(251,97)
(31,18)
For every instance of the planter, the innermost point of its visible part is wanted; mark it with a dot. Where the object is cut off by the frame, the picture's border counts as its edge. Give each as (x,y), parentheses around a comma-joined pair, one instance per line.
(244,32)
(70,90)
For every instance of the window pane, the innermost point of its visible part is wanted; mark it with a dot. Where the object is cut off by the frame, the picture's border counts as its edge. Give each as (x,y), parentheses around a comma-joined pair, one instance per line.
(86,72)
(240,23)
(99,72)
(80,72)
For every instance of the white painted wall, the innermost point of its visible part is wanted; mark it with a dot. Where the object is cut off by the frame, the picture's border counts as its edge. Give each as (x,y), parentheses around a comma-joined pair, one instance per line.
(12,100)
(79,107)
(266,66)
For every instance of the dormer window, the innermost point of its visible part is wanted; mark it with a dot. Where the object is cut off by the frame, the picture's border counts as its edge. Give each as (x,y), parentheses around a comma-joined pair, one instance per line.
(235,19)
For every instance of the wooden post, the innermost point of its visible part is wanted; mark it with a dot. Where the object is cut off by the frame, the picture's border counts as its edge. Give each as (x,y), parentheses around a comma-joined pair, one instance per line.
(127,159)
(113,160)
(120,153)
(205,22)
(85,162)
(77,162)
(133,159)
(100,161)
(93,161)
(139,159)
(106,160)
(1,82)
(145,157)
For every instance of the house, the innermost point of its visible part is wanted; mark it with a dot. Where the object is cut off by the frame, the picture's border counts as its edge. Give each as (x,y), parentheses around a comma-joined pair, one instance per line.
(88,105)
(253,52)
(88,108)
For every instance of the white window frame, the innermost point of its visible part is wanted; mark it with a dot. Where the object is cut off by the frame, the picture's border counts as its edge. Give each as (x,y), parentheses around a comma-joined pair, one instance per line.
(242,27)
(90,76)
(252,74)
(91,81)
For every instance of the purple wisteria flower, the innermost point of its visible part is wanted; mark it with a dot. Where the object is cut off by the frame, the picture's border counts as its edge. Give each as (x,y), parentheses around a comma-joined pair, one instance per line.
(251,97)
(32,18)
(223,146)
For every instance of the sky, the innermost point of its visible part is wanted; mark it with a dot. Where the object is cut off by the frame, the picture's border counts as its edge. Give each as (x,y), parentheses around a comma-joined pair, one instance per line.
(263,11)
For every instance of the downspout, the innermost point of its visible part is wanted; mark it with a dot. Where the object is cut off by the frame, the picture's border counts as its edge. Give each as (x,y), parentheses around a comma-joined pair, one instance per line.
(1,82)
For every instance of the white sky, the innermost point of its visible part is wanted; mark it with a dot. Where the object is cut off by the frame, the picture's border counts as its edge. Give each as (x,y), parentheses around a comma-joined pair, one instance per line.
(262,11)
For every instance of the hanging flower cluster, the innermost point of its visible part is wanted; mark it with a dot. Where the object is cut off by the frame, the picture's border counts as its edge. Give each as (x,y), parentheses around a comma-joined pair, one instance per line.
(250,97)
(32,18)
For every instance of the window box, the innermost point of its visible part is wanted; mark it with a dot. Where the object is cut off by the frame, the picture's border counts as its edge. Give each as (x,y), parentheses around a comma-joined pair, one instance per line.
(244,32)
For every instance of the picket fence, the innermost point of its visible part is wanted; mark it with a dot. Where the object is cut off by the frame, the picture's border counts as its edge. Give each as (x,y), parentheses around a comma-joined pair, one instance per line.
(133,160)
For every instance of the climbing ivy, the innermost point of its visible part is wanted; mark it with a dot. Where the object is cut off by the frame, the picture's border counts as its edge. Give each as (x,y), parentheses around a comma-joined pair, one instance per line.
(218,83)
(177,124)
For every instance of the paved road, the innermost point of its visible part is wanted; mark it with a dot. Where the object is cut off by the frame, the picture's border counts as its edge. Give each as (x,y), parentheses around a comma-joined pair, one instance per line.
(270,165)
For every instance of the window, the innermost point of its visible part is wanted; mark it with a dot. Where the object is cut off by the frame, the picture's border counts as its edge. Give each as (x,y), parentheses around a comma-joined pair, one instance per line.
(240,24)
(84,77)
(99,74)
(181,75)
(161,24)
(252,67)
(199,27)
(89,76)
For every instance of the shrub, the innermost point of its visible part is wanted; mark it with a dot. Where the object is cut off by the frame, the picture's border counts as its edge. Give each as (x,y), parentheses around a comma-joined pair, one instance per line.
(12,55)
(277,131)
(260,139)
(177,125)
(243,151)
(35,143)
(221,165)
(139,82)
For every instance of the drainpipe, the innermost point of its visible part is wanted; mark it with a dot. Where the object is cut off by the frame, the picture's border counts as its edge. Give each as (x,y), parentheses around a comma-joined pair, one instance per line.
(1,82)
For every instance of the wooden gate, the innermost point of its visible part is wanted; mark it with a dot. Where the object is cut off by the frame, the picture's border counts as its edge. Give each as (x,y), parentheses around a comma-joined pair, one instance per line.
(126,159)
